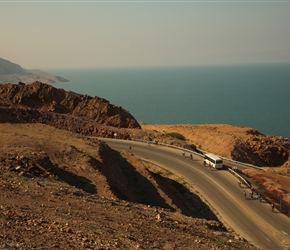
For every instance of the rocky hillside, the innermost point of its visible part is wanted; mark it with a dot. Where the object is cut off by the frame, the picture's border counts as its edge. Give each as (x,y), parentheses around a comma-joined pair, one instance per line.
(43,103)
(238,143)
(76,193)
(13,73)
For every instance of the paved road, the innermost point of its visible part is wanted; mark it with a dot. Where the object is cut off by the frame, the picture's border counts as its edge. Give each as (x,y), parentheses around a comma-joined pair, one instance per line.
(250,218)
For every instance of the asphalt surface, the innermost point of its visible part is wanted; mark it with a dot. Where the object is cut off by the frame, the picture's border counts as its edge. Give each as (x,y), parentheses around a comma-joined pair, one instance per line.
(250,218)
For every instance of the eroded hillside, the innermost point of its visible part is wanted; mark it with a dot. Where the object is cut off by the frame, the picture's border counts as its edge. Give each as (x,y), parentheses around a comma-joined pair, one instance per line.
(75,193)
(238,143)
(49,175)
(43,103)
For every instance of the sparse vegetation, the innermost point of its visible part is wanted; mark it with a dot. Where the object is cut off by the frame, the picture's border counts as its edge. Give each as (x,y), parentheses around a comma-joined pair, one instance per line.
(4,216)
(176,136)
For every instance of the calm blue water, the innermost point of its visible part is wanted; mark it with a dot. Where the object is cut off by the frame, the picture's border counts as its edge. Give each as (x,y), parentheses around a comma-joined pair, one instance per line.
(256,96)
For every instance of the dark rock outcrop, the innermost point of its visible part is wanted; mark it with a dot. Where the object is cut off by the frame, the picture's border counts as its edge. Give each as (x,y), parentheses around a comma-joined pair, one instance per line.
(42,103)
(262,150)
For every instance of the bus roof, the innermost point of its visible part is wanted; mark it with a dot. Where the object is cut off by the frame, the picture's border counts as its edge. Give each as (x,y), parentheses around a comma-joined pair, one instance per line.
(213,156)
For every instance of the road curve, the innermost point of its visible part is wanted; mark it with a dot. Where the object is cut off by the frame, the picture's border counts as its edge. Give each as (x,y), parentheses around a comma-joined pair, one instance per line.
(251,219)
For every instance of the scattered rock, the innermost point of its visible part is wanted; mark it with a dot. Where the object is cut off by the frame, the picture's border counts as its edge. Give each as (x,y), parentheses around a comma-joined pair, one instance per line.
(90,198)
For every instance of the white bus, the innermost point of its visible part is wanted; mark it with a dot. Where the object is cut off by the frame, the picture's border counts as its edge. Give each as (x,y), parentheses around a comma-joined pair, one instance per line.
(213,161)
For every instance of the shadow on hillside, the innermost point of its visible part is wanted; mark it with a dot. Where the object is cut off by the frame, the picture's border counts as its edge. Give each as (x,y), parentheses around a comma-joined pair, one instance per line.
(75,180)
(128,184)
(68,177)
(189,203)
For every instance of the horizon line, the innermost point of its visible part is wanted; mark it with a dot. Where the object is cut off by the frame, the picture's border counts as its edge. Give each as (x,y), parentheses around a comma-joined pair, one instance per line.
(162,66)
(145,1)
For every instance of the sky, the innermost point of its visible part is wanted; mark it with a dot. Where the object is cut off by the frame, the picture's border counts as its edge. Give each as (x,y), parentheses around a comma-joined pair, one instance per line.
(97,34)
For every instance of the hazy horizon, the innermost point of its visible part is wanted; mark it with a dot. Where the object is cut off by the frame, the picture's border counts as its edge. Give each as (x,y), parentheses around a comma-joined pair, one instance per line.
(160,67)
(128,34)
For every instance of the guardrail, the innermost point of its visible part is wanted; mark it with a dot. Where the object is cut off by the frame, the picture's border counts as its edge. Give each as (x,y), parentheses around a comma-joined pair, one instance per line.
(231,169)
(196,153)
(246,182)
(167,145)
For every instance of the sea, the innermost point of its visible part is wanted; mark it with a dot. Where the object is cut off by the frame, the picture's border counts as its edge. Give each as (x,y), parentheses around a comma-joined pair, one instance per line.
(254,95)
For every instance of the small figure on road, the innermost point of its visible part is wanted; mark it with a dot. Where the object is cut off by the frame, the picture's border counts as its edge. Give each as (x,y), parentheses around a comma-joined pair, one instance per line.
(245,195)
(251,193)
(190,156)
(183,153)
(272,207)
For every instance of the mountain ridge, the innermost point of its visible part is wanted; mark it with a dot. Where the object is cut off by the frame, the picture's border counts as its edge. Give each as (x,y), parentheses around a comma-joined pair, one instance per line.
(39,102)
(13,73)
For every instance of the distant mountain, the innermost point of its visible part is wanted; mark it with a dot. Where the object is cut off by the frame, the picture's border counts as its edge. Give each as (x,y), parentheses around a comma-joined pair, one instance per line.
(7,67)
(13,73)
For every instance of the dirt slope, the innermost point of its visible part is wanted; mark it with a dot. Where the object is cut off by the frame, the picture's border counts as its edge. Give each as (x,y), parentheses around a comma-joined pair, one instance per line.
(60,190)
(55,182)
(245,145)
(239,143)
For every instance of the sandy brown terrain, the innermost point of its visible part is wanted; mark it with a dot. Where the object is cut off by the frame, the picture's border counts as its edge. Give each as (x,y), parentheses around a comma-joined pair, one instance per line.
(60,190)
(224,140)
(274,185)
(233,142)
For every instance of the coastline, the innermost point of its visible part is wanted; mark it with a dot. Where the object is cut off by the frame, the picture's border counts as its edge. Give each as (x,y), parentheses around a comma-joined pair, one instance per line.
(193,95)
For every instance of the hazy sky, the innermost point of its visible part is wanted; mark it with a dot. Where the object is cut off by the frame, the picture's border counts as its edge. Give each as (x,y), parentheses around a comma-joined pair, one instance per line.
(52,34)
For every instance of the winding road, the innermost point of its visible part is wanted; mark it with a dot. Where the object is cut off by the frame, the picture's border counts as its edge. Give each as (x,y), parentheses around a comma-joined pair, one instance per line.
(251,219)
